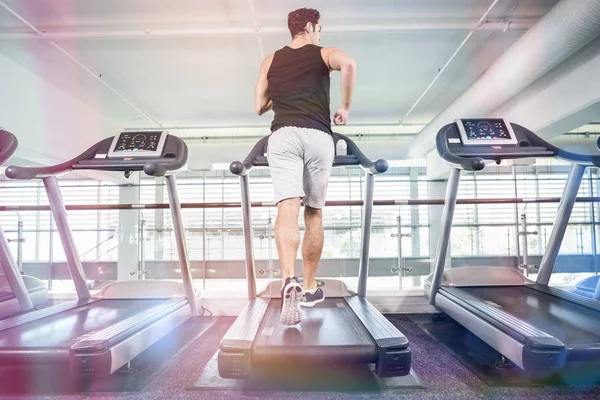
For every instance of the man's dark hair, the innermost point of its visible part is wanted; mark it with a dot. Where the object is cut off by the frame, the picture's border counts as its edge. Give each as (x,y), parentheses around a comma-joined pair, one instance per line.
(298,19)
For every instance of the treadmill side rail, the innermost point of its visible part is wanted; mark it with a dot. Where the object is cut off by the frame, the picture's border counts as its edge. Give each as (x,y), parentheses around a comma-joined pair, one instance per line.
(394,355)
(42,313)
(9,305)
(536,350)
(106,351)
(504,321)
(570,297)
(113,334)
(235,351)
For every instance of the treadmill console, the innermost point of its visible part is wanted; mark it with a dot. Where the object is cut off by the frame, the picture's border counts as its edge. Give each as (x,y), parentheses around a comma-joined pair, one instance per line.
(138,145)
(468,142)
(475,132)
(155,153)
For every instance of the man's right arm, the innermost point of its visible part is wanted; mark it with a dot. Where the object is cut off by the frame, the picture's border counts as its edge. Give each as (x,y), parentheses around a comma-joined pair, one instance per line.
(337,60)
(262,102)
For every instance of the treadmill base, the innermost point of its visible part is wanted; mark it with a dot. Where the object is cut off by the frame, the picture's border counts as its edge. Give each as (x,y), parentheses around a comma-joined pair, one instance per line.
(357,378)
(56,380)
(481,359)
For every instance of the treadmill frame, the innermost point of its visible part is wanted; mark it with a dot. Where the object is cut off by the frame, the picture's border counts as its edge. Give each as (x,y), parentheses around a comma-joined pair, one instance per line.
(525,345)
(393,356)
(105,351)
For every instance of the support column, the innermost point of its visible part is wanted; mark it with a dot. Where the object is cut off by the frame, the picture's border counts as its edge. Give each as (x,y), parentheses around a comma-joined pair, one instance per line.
(415,232)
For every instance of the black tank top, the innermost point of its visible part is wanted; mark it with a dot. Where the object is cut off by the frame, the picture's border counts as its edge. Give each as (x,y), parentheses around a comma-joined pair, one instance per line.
(299,88)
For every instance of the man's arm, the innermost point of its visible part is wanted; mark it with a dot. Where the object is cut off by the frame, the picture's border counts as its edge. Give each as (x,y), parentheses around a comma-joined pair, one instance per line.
(262,102)
(337,60)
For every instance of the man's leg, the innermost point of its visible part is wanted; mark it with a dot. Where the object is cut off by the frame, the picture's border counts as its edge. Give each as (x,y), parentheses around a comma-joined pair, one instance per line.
(287,235)
(285,155)
(312,245)
(318,162)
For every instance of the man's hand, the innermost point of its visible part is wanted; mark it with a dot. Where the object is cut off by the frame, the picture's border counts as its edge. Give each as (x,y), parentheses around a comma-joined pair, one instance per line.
(341,116)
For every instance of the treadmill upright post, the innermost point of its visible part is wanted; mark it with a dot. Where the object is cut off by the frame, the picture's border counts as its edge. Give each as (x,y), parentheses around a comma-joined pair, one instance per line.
(559,228)
(13,277)
(446,227)
(363,268)
(184,260)
(248,236)
(20,241)
(597,292)
(57,205)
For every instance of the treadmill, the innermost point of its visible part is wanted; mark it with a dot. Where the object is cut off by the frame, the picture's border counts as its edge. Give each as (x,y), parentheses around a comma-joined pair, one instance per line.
(345,329)
(537,327)
(18,293)
(99,334)
(590,286)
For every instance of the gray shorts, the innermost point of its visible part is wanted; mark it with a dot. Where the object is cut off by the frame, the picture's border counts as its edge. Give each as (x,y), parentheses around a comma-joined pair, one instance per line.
(300,160)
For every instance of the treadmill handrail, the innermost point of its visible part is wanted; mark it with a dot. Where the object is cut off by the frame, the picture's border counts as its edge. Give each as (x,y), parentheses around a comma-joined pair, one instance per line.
(26,173)
(84,161)
(8,145)
(355,156)
(466,163)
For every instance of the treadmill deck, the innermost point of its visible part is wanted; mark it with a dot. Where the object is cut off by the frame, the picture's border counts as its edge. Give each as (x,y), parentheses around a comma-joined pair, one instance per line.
(571,323)
(330,331)
(64,329)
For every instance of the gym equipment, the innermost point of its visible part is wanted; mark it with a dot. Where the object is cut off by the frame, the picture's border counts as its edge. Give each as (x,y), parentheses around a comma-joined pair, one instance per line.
(344,329)
(99,334)
(18,292)
(589,287)
(535,326)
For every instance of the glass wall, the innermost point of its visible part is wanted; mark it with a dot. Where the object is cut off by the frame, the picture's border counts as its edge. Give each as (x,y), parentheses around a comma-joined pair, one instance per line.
(215,234)
(222,228)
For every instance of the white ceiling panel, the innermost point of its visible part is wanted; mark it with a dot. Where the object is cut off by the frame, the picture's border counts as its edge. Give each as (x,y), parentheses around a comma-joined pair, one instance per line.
(54,67)
(46,14)
(209,80)
(478,54)
(183,81)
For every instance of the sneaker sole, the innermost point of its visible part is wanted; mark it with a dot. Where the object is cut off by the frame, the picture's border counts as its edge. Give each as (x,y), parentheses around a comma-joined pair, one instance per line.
(291,314)
(312,303)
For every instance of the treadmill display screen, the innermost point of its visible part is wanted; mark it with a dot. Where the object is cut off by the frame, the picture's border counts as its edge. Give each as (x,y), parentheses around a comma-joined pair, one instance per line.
(138,141)
(486,129)
(138,144)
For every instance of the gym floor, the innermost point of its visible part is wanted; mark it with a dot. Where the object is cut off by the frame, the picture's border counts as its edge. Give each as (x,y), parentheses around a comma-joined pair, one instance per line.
(442,376)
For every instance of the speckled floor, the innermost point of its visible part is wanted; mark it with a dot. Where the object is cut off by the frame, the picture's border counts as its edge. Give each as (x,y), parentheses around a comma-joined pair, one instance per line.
(442,375)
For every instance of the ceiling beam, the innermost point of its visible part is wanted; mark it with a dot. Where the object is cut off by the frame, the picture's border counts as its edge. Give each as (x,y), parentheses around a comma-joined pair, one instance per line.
(149,32)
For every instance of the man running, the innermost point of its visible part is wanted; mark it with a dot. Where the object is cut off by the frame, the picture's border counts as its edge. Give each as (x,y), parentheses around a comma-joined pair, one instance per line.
(294,83)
